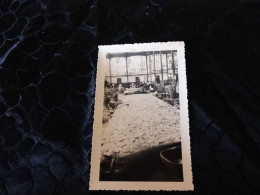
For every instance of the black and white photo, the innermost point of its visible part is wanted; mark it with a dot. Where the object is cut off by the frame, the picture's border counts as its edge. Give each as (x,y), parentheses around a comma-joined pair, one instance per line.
(141,130)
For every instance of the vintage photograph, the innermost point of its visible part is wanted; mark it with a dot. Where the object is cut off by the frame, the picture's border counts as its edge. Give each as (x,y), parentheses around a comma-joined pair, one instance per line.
(139,135)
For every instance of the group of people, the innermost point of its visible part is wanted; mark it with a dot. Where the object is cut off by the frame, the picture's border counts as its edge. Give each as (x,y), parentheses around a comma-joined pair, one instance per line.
(112,91)
(110,96)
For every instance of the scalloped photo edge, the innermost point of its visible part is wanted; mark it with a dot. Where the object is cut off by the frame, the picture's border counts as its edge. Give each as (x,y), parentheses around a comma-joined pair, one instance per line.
(131,91)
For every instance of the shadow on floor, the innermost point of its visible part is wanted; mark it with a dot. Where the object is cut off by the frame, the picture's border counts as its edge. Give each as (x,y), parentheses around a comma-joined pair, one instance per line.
(141,166)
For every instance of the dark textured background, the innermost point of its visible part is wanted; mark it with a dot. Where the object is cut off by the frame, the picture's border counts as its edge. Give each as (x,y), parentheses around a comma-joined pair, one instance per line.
(48,51)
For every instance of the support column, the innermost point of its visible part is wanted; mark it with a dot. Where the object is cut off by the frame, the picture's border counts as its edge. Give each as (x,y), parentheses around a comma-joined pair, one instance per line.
(110,76)
(167,67)
(126,67)
(146,67)
(173,65)
(154,67)
(161,65)
(150,69)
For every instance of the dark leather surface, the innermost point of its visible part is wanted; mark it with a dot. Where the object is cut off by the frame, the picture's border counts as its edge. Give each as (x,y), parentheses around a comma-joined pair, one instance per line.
(48,55)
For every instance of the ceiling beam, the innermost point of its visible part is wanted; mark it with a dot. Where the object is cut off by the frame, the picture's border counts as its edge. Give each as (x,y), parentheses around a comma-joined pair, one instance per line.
(143,53)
